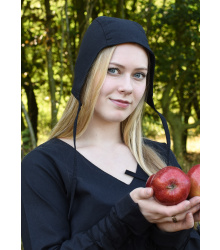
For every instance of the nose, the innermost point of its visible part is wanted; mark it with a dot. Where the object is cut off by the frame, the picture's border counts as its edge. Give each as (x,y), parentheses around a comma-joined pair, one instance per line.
(126,86)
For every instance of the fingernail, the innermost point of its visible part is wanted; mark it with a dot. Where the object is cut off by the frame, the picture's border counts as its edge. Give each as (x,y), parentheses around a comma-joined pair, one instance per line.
(148,191)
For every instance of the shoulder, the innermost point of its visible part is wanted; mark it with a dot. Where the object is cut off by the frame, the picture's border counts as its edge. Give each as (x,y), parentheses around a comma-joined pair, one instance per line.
(45,175)
(52,159)
(161,149)
(51,150)
(158,146)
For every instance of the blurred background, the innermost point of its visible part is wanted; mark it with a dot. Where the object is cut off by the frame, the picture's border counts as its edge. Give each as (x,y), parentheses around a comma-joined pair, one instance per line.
(51,33)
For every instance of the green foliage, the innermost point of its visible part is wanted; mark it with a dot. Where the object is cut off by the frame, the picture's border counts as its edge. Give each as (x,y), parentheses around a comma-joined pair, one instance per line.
(26,142)
(172,27)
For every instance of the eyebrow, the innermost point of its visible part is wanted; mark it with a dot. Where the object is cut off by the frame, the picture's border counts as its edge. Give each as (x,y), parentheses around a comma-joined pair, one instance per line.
(119,65)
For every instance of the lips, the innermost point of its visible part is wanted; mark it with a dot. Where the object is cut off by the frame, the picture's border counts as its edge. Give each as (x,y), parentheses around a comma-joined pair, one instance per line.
(121,103)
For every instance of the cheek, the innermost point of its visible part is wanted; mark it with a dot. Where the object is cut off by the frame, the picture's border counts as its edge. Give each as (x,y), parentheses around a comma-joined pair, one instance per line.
(104,93)
(106,87)
(140,92)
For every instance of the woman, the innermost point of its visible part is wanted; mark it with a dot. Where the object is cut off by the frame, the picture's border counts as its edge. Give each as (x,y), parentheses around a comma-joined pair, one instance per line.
(85,187)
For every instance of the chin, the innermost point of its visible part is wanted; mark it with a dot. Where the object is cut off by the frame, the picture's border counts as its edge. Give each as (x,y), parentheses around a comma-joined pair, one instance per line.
(112,118)
(116,119)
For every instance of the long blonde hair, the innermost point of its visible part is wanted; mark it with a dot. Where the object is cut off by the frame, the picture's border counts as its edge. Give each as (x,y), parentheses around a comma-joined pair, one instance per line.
(131,128)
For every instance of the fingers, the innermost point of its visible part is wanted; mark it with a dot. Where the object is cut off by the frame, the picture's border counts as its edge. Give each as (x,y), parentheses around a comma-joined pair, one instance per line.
(182,207)
(182,215)
(163,214)
(187,223)
(194,201)
(192,206)
(157,213)
(194,209)
(184,224)
(141,194)
(144,193)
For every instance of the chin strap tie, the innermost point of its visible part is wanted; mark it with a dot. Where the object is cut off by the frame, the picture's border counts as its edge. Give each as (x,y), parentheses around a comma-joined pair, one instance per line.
(74,179)
(75,123)
(165,126)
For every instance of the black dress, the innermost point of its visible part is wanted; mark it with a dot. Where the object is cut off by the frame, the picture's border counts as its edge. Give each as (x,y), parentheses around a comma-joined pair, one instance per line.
(69,203)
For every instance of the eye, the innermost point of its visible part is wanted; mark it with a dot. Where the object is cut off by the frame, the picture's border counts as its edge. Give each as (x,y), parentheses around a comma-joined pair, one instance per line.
(113,71)
(139,76)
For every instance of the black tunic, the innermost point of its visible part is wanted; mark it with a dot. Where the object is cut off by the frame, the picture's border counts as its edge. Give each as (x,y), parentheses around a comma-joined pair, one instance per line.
(77,207)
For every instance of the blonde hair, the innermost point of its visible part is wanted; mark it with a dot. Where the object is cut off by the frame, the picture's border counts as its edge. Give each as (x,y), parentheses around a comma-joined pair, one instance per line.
(131,128)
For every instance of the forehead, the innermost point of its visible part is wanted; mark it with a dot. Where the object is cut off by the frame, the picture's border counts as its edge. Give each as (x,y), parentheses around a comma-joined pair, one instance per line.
(130,52)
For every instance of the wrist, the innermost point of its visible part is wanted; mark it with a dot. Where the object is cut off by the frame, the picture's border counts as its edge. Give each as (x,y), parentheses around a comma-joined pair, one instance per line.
(129,213)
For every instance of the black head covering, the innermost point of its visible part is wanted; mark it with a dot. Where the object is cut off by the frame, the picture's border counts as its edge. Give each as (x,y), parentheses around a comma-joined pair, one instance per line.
(105,32)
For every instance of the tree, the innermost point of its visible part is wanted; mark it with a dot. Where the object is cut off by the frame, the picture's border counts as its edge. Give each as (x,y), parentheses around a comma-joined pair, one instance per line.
(52,33)
(173,34)
(49,55)
(180,53)
(28,85)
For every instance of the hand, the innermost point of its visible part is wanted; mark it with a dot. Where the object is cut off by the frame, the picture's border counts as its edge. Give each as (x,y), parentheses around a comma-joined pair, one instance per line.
(192,216)
(161,215)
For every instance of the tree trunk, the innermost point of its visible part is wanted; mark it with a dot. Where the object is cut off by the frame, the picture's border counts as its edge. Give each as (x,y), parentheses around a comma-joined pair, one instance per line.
(134,5)
(196,107)
(23,127)
(80,7)
(177,128)
(33,140)
(187,113)
(50,64)
(32,105)
(61,61)
(27,84)
(178,143)
(89,10)
(176,121)
(149,18)
(177,95)
(70,57)
(120,9)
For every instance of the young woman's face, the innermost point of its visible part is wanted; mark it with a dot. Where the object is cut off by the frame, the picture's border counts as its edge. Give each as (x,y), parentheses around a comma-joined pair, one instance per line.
(124,85)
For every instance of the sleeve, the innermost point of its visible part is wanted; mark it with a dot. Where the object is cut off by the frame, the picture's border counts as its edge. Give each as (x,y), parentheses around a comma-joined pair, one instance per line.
(45,207)
(181,240)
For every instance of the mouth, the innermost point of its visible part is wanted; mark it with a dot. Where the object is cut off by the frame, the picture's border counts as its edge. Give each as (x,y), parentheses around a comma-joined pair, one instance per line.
(121,103)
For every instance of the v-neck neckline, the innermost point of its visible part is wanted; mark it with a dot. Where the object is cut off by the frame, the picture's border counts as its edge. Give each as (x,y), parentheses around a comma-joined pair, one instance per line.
(99,169)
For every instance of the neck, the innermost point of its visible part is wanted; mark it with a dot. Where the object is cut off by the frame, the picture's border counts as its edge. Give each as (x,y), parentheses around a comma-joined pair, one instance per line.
(101,134)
